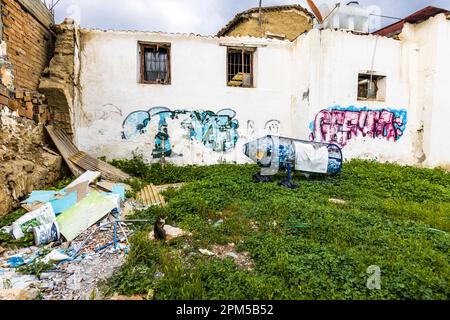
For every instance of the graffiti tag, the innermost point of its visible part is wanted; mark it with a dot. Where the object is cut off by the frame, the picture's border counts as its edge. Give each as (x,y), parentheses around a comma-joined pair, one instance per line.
(339,125)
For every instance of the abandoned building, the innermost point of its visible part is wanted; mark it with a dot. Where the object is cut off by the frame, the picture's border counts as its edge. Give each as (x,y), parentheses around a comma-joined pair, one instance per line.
(194,99)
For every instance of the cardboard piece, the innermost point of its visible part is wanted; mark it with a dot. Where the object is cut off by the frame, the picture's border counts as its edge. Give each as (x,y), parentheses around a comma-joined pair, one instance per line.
(89,176)
(81,189)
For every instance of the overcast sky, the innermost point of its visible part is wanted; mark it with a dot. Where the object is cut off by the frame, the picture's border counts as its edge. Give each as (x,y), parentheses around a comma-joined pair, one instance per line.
(204,17)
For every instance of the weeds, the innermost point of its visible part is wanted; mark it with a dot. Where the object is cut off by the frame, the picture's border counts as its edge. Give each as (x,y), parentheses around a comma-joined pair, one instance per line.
(303,246)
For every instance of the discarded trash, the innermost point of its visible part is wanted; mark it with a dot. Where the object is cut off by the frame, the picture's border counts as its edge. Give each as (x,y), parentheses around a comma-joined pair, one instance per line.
(218,223)
(40,196)
(88,176)
(46,233)
(15,262)
(206,252)
(12,280)
(274,153)
(81,189)
(56,256)
(232,255)
(64,203)
(84,214)
(337,201)
(87,162)
(43,215)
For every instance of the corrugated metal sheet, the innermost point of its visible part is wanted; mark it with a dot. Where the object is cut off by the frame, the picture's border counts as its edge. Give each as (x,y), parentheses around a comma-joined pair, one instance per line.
(85,161)
(149,195)
(79,161)
(65,147)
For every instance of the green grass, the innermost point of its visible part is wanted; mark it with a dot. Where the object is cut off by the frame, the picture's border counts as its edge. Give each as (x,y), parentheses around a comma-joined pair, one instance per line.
(305,247)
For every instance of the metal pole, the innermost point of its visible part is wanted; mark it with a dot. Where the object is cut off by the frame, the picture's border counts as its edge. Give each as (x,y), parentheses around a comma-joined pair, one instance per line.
(260,16)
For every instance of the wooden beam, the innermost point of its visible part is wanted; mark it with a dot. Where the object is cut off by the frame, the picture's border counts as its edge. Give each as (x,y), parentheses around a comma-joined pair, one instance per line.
(39,11)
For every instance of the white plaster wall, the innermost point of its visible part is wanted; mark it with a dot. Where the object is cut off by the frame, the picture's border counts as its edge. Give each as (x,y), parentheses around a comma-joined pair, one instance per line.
(328,66)
(110,91)
(432,41)
(293,83)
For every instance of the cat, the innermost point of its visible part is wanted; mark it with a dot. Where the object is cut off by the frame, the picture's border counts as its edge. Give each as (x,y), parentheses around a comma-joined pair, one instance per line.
(160,233)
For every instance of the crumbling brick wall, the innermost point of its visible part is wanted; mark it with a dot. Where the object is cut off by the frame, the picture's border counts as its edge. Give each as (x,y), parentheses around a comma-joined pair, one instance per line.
(29,45)
(26,47)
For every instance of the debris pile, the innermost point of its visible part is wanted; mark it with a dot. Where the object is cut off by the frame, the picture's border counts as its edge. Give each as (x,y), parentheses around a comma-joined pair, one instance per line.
(81,237)
(81,234)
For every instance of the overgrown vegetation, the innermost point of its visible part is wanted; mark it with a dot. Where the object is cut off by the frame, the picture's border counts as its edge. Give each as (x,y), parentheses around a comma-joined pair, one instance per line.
(303,246)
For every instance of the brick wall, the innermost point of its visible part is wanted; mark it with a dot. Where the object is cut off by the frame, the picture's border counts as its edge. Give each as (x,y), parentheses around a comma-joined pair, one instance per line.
(29,45)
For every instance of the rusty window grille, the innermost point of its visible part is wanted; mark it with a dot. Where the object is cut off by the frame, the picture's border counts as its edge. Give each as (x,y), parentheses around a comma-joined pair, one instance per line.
(155,63)
(240,67)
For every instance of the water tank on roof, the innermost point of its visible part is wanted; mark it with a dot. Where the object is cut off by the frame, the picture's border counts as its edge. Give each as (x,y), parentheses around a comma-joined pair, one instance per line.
(351,16)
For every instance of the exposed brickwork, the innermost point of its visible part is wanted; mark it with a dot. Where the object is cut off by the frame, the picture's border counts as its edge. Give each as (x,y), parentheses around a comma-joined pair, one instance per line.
(26,48)
(29,45)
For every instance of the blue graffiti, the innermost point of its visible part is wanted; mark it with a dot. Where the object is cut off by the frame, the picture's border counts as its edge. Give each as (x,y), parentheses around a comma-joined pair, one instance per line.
(217,131)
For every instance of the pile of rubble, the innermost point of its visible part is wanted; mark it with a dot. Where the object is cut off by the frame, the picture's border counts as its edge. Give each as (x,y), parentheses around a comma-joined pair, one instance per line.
(81,237)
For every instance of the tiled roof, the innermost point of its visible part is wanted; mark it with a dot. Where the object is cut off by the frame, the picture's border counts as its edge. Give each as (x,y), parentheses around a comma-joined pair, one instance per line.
(416,17)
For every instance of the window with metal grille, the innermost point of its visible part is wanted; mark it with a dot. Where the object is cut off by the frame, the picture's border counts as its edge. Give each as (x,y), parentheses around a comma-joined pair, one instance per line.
(240,67)
(155,63)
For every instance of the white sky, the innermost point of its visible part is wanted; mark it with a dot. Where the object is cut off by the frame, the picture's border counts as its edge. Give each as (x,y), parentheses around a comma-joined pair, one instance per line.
(205,17)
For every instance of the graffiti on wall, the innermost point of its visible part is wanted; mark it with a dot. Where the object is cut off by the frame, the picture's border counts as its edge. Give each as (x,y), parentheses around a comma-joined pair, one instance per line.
(339,125)
(273,127)
(216,131)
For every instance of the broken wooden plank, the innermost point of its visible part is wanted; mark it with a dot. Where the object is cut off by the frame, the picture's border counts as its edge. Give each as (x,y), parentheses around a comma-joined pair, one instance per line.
(50,151)
(109,172)
(65,147)
(39,11)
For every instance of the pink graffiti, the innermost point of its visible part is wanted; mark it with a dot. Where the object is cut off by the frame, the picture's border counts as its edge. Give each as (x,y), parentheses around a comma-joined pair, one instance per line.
(340,126)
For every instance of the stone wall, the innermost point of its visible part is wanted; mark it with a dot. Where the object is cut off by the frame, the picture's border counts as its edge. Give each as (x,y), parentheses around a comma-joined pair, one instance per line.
(58,79)
(24,164)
